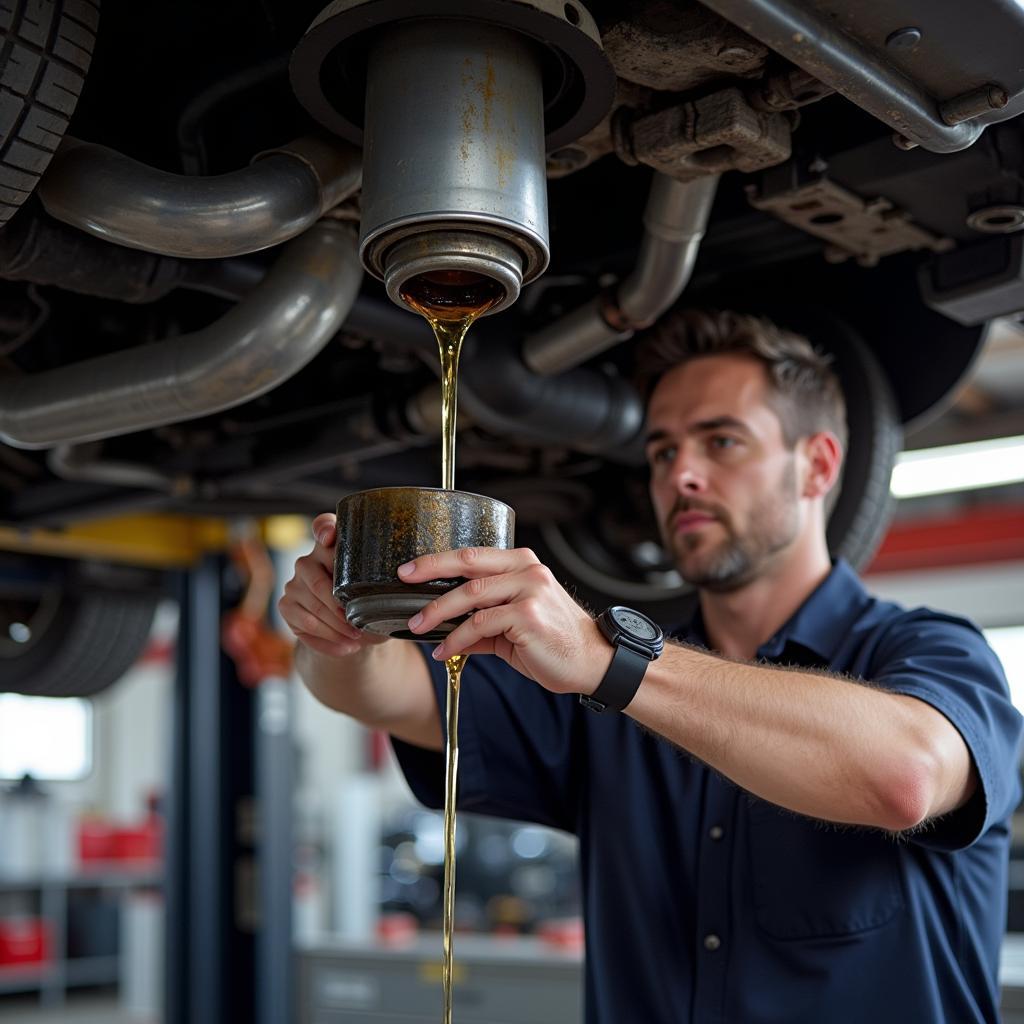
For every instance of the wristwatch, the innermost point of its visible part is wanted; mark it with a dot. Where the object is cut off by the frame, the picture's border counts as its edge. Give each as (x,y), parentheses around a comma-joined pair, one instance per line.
(637,642)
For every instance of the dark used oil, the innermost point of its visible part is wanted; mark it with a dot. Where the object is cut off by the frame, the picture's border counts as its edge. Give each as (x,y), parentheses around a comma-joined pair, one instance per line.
(451,300)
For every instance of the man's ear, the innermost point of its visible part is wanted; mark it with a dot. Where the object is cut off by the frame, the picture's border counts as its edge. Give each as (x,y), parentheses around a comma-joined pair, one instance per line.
(824,458)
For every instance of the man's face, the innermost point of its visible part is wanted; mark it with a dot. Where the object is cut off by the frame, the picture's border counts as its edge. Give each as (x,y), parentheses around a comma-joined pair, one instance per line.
(723,483)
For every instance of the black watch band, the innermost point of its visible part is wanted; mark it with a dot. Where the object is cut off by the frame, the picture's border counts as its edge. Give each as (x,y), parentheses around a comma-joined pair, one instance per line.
(620,682)
(637,641)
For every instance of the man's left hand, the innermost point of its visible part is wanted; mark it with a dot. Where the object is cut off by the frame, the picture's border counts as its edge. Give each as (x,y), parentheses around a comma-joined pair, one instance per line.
(518,611)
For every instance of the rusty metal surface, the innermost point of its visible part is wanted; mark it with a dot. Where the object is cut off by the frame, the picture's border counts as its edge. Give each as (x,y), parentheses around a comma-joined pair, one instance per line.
(959,45)
(380,529)
(665,46)
(871,74)
(327,67)
(865,230)
(788,90)
(598,142)
(711,135)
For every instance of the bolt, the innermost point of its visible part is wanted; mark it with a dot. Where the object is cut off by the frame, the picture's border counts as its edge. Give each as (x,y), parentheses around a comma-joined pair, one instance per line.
(734,54)
(997,97)
(902,142)
(903,38)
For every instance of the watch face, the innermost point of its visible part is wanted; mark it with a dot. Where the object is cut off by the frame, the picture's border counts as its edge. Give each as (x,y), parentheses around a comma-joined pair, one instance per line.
(635,624)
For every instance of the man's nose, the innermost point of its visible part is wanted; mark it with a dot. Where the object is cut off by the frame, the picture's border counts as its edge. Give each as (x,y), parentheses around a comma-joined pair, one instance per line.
(687,477)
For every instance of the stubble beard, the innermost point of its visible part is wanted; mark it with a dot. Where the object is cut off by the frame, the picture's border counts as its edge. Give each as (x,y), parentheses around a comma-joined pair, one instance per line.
(739,559)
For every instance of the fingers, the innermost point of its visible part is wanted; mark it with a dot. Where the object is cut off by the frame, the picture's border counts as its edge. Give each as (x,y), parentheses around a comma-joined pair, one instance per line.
(325,535)
(308,605)
(481,592)
(469,562)
(485,625)
(305,615)
(325,529)
(311,575)
(339,649)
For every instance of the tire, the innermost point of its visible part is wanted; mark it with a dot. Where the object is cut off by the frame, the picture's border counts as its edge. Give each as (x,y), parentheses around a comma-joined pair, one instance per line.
(862,513)
(45,50)
(864,508)
(576,554)
(567,549)
(60,639)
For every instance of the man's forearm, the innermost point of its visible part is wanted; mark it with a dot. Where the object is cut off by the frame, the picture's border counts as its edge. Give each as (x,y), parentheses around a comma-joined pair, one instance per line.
(343,684)
(385,686)
(814,743)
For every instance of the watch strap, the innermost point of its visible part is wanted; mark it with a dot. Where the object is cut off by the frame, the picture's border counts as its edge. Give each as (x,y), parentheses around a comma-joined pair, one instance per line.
(620,682)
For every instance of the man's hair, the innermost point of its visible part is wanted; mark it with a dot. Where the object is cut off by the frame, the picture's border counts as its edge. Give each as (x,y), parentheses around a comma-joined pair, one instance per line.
(803,391)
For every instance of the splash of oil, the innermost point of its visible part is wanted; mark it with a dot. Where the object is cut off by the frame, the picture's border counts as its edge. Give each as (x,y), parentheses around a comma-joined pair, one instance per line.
(450,301)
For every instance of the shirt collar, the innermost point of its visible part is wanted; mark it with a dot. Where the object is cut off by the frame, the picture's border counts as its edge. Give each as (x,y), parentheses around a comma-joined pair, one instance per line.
(820,624)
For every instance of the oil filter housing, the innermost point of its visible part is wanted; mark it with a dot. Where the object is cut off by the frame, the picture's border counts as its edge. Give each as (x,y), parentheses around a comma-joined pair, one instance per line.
(456,103)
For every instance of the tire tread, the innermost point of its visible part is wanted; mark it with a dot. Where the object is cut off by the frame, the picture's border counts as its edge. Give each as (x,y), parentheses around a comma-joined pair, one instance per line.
(97,638)
(44,56)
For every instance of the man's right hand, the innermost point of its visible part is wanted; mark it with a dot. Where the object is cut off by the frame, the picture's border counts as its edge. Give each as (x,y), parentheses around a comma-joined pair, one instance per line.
(308,605)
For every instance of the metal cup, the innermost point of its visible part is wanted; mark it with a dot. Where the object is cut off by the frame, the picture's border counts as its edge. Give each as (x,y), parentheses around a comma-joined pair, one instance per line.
(380,529)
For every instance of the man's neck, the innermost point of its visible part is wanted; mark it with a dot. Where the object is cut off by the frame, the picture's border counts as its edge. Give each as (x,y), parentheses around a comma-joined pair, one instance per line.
(739,622)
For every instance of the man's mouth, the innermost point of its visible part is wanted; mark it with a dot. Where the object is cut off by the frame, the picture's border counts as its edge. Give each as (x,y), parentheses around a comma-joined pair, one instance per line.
(685,522)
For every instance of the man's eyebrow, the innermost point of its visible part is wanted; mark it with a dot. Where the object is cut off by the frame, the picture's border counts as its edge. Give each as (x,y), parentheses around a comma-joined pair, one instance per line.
(702,426)
(717,423)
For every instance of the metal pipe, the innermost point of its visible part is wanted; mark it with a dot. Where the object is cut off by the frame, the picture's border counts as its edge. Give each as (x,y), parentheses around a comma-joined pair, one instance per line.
(82,462)
(262,341)
(280,195)
(809,40)
(674,222)
(582,408)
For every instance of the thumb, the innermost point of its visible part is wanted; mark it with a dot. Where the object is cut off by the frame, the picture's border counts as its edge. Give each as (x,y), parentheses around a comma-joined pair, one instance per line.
(324,529)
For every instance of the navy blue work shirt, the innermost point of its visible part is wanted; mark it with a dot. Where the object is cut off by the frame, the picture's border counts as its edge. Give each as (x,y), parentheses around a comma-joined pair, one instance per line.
(706,905)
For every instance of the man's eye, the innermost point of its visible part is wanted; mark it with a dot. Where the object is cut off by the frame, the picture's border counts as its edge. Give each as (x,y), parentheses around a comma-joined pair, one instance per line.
(723,441)
(663,456)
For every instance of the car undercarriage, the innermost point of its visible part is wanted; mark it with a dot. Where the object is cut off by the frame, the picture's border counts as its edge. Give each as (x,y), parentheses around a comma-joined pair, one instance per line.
(192,320)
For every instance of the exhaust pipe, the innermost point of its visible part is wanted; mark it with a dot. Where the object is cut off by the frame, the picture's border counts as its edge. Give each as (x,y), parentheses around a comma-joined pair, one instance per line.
(261,342)
(674,222)
(277,197)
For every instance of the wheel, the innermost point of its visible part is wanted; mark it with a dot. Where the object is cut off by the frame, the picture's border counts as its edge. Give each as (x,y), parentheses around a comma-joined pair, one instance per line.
(863,510)
(61,636)
(45,54)
(609,557)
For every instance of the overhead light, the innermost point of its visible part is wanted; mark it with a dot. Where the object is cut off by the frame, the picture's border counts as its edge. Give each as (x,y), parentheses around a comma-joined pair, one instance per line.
(958,467)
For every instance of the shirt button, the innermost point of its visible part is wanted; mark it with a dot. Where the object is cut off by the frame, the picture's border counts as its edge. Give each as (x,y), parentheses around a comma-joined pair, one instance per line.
(712,942)
(716,832)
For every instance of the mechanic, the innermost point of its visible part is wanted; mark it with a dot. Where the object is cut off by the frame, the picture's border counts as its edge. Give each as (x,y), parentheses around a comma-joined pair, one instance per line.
(799,812)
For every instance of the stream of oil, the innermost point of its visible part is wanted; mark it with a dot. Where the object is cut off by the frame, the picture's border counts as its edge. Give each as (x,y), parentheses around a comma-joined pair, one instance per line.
(450,301)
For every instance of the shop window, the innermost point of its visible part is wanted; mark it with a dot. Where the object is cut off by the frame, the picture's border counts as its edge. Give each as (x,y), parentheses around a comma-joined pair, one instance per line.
(45,737)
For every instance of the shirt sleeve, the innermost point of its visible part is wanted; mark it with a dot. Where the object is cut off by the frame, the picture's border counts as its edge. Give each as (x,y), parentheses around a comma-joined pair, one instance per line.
(517,747)
(946,662)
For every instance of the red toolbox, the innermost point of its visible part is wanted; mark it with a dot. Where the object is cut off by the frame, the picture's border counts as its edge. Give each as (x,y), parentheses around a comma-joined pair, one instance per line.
(24,940)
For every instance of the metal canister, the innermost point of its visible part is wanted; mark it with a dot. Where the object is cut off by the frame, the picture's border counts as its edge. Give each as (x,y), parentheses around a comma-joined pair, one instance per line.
(380,529)
(454,165)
